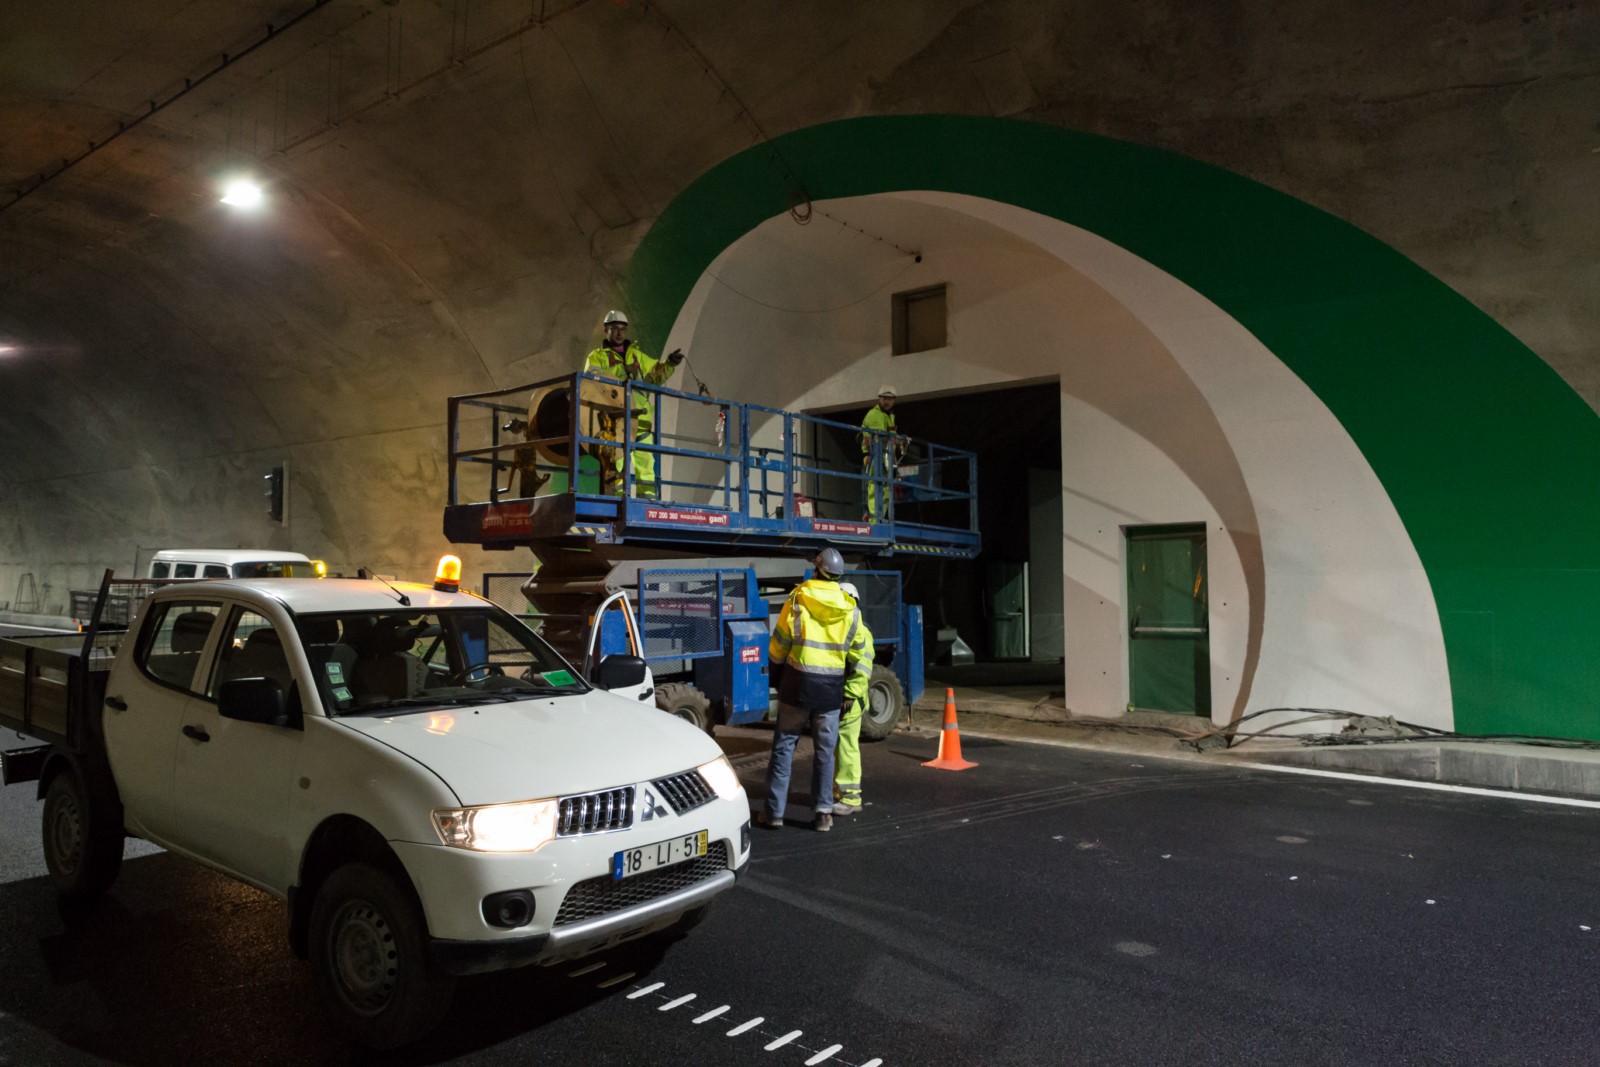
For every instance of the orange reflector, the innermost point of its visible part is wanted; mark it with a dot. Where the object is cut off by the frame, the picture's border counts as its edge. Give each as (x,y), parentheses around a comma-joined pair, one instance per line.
(447,579)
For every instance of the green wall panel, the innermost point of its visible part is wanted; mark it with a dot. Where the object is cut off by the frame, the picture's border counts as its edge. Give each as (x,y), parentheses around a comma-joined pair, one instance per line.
(1487,454)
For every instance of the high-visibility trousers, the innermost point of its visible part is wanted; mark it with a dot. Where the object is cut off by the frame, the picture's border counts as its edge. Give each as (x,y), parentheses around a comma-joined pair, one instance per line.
(876,467)
(644,464)
(847,765)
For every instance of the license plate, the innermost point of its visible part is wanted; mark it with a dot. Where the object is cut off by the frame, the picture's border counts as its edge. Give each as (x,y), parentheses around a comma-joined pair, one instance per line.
(632,861)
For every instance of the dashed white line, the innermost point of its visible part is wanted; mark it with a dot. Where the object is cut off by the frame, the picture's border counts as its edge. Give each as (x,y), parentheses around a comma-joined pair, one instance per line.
(618,980)
(873,1063)
(824,1054)
(742,1027)
(651,988)
(712,1014)
(784,1040)
(669,1005)
(587,970)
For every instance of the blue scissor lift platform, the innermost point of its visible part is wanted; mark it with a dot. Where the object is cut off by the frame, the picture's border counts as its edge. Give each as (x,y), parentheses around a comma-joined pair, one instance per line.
(743,494)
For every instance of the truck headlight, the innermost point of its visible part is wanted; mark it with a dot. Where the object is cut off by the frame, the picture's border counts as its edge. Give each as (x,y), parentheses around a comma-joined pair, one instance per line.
(719,775)
(524,827)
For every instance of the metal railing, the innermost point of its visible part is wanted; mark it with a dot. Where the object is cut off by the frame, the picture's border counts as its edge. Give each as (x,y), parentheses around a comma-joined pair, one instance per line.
(600,438)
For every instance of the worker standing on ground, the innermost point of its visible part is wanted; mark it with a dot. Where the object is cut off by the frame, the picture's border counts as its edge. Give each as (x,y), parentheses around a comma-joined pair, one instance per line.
(817,645)
(621,359)
(877,453)
(847,773)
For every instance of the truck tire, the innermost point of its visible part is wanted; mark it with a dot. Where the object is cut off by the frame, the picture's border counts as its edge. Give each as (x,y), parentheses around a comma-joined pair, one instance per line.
(82,838)
(369,951)
(686,702)
(886,704)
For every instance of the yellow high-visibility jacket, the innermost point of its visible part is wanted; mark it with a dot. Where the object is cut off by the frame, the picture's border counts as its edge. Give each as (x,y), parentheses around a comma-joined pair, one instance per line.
(857,683)
(818,643)
(877,419)
(632,364)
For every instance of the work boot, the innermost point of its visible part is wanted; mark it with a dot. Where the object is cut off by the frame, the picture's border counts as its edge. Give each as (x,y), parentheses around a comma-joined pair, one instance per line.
(824,822)
(846,807)
(767,822)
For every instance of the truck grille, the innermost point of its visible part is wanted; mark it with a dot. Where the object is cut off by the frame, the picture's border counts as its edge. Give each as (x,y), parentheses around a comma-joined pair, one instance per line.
(595,897)
(595,813)
(685,791)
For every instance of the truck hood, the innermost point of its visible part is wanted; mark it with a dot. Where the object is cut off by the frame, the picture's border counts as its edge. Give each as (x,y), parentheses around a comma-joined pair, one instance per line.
(542,747)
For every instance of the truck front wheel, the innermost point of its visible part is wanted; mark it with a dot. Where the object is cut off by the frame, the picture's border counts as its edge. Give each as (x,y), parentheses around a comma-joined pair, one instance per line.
(686,702)
(886,703)
(369,948)
(82,839)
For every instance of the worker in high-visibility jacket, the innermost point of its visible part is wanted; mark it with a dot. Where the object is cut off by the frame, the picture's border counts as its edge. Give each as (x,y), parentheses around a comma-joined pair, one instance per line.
(877,453)
(623,360)
(847,770)
(818,644)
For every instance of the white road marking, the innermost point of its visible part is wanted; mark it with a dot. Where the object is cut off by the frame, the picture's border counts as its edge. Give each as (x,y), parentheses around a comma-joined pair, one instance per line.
(873,1063)
(669,1005)
(587,970)
(651,988)
(1438,787)
(618,980)
(824,1054)
(742,1027)
(712,1014)
(784,1040)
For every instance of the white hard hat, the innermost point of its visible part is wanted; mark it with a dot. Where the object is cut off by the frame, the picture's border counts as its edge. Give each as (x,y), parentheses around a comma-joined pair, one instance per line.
(887,390)
(616,316)
(849,590)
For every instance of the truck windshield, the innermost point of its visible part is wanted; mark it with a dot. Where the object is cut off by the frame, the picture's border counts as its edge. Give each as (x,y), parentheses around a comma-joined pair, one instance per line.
(408,659)
(274,569)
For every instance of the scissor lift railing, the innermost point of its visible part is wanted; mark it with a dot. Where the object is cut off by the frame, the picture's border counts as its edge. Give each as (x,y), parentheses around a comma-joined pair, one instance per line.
(544,462)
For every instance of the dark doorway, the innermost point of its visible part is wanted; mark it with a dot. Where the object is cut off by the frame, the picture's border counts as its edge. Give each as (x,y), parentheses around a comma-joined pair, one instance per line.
(1006,604)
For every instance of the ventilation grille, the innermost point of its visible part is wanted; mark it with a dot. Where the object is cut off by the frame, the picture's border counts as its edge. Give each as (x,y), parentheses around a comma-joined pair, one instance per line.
(596,813)
(685,791)
(594,897)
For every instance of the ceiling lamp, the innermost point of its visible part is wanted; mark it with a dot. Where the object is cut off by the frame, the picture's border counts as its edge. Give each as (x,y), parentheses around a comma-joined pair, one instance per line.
(242,193)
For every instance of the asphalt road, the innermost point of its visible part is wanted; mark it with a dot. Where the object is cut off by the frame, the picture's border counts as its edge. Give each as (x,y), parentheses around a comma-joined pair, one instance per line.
(1052,906)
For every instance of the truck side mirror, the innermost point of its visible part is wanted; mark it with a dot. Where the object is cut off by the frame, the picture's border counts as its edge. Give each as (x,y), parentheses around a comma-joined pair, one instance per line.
(620,672)
(258,700)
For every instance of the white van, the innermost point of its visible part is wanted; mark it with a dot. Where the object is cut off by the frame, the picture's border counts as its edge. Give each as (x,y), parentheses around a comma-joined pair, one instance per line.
(231,563)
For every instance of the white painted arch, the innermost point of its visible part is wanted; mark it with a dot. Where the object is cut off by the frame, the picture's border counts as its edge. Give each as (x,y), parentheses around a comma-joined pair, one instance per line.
(1171,412)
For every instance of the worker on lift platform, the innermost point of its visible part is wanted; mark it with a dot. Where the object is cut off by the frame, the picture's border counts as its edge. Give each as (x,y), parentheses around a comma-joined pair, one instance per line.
(878,453)
(623,360)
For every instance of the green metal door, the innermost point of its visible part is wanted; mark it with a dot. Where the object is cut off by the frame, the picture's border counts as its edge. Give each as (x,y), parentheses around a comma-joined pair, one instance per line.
(1169,646)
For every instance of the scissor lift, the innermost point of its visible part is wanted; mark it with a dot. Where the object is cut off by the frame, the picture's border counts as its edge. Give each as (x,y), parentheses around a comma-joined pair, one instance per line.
(741,500)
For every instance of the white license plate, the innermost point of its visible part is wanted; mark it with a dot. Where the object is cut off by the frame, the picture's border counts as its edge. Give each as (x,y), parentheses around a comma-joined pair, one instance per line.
(632,861)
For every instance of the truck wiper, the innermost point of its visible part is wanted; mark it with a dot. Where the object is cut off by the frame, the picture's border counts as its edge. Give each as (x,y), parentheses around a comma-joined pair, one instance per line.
(430,702)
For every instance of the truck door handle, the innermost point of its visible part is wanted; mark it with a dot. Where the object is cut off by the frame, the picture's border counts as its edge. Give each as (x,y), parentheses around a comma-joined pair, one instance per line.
(116,704)
(196,732)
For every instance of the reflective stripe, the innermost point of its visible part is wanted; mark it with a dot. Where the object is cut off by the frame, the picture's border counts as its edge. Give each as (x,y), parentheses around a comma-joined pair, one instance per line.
(807,668)
(948,726)
(823,646)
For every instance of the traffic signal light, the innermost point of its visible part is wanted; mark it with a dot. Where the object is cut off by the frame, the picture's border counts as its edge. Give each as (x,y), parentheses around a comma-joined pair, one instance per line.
(274,479)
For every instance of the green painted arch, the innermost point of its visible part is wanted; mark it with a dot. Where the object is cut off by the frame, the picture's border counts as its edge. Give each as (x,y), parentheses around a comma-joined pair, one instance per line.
(1487,455)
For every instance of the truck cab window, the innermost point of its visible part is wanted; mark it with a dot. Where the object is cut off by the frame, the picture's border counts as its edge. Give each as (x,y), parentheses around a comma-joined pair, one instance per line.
(216,570)
(251,648)
(160,570)
(175,638)
(183,570)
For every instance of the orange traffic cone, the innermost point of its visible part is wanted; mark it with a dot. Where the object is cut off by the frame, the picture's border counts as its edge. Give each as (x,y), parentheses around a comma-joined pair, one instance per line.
(950,739)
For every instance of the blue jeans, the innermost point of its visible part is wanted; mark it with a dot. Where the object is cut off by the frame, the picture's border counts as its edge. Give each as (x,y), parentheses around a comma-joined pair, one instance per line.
(824,736)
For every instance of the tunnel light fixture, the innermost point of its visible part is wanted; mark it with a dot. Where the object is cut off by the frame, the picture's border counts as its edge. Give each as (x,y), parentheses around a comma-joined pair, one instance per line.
(242,193)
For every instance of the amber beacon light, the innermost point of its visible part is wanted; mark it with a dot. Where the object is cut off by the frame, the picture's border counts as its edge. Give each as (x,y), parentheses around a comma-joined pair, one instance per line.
(447,579)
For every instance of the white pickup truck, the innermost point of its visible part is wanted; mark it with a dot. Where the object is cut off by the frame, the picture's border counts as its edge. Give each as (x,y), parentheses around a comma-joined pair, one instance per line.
(431,788)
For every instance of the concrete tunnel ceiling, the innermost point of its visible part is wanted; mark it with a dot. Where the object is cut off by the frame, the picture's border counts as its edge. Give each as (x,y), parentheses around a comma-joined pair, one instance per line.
(458,190)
